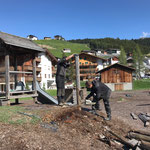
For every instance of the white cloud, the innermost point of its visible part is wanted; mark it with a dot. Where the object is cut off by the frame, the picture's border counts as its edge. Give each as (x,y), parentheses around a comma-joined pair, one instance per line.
(145,34)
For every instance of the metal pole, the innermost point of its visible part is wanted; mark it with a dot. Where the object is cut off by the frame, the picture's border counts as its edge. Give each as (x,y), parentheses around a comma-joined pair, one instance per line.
(77,78)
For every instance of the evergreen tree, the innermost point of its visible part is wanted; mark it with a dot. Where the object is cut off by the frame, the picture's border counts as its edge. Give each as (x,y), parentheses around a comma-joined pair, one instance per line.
(138,61)
(122,57)
(140,57)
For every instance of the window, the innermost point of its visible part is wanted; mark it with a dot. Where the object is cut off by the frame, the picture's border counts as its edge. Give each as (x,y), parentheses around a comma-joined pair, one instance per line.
(45,75)
(86,63)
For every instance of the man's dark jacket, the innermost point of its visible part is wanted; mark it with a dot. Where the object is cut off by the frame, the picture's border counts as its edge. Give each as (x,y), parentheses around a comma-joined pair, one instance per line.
(99,90)
(61,72)
(61,67)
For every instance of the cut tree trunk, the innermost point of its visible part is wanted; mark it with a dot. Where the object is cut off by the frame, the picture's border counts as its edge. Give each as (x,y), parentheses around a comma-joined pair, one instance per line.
(145,145)
(139,136)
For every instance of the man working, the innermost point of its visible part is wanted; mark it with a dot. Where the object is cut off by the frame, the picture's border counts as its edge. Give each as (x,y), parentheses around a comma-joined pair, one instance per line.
(100,91)
(60,78)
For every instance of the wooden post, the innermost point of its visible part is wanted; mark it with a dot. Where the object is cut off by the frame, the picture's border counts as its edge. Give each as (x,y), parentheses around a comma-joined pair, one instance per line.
(34,77)
(16,101)
(7,75)
(77,79)
(15,77)
(15,69)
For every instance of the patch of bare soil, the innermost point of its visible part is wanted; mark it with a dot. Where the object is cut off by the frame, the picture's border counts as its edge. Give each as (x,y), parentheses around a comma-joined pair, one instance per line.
(71,128)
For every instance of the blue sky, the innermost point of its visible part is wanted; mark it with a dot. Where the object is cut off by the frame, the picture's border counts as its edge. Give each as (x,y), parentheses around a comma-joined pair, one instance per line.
(76,19)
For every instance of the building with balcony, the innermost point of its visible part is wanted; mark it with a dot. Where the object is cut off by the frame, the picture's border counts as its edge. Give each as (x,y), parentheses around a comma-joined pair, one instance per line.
(47,70)
(89,65)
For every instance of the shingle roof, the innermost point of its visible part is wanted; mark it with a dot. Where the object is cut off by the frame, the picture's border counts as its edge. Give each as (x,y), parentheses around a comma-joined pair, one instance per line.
(19,42)
(116,64)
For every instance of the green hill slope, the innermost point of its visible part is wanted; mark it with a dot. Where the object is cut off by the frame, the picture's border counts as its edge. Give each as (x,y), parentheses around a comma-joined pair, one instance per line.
(56,47)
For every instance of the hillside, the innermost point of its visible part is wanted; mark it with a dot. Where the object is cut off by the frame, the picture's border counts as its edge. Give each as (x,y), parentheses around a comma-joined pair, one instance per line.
(55,46)
(105,43)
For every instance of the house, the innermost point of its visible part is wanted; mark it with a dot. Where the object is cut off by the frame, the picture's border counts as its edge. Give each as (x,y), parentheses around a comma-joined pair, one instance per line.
(47,38)
(47,65)
(89,65)
(32,37)
(66,50)
(15,53)
(111,59)
(117,77)
(112,51)
(59,37)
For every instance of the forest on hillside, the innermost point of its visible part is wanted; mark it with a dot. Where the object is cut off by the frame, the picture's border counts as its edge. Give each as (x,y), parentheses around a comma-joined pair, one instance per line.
(105,43)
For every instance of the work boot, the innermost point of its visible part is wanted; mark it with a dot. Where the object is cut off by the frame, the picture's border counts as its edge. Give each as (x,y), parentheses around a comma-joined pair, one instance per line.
(108,118)
(59,100)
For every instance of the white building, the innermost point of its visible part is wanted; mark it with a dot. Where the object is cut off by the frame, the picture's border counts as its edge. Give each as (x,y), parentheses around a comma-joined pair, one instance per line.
(32,37)
(47,62)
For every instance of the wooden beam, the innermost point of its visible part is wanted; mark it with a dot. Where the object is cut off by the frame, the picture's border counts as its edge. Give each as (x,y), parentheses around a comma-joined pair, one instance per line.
(77,79)
(17,72)
(7,75)
(34,74)
(17,92)
(22,96)
(15,68)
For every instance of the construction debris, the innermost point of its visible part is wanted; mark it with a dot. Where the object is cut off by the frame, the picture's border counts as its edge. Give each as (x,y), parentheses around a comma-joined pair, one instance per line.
(133,116)
(145,119)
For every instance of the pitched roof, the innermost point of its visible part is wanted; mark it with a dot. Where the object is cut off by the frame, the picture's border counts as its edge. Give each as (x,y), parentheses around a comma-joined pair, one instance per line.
(116,64)
(19,42)
(97,57)
(53,58)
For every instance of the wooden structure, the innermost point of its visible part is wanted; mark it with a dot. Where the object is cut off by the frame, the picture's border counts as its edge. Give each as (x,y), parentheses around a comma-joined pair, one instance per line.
(15,52)
(117,77)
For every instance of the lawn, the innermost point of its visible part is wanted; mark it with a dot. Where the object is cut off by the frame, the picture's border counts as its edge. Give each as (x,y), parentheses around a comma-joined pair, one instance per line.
(17,115)
(56,47)
(141,84)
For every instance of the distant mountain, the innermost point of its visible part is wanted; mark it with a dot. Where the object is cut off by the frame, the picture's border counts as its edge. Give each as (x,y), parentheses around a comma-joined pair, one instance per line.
(105,43)
(56,46)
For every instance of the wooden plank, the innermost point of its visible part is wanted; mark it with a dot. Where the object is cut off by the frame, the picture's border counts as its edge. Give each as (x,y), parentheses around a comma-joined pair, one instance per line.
(17,92)
(22,96)
(17,72)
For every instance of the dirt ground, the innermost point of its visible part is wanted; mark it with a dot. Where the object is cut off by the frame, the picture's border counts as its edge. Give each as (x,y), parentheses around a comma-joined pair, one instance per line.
(68,128)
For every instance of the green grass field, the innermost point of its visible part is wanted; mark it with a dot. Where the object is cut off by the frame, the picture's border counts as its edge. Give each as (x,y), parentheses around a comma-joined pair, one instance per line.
(56,47)
(141,84)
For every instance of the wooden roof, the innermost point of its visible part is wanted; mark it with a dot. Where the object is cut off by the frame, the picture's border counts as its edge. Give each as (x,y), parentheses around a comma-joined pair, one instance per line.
(19,42)
(116,64)
(97,57)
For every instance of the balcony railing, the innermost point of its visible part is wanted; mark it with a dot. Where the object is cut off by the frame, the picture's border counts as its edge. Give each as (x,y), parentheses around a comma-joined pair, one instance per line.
(29,79)
(30,68)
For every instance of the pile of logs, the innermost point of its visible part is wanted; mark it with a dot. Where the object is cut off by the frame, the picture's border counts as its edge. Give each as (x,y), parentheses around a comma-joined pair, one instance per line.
(135,140)
(142,138)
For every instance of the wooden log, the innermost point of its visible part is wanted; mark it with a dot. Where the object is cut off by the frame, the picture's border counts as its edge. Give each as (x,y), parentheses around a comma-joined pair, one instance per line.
(139,136)
(133,116)
(141,132)
(121,139)
(145,145)
(77,79)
